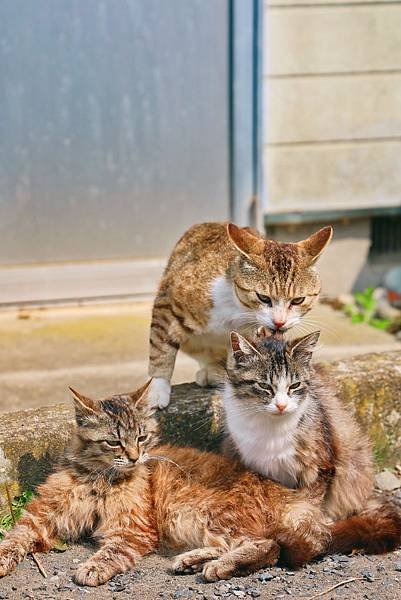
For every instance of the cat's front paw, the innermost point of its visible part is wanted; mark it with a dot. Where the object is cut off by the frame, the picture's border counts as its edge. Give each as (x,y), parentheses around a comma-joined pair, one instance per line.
(92,574)
(159,393)
(209,376)
(7,562)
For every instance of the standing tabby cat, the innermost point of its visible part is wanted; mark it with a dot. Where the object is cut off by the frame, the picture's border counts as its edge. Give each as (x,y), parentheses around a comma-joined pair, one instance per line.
(221,277)
(285,421)
(133,498)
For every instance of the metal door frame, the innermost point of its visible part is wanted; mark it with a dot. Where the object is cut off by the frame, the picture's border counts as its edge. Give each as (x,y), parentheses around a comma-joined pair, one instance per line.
(245,110)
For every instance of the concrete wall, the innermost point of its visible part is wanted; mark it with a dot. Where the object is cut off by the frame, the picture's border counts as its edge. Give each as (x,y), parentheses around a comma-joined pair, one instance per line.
(332,104)
(343,265)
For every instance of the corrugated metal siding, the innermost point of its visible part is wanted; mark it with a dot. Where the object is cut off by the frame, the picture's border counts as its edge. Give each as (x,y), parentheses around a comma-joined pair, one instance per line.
(113,126)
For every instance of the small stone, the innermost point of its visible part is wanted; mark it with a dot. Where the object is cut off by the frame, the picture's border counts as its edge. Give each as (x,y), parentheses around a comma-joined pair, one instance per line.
(397,566)
(290,573)
(368,576)
(253,592)
(335,557)
(75,561)
(222,589)
(387,481)
(238,593)
(265,577)
(344,559)
(185,593)
(55,579)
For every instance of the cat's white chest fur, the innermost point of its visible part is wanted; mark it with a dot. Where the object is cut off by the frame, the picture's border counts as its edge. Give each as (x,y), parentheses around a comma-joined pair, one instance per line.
(227,311)
(266,443)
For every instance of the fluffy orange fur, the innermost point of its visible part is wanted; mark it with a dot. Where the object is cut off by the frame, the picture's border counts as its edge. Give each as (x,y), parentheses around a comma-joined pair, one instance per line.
(133,497)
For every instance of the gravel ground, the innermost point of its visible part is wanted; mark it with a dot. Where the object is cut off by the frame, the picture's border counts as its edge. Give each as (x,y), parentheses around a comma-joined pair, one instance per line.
(374,578)
(377,578)
(360,577)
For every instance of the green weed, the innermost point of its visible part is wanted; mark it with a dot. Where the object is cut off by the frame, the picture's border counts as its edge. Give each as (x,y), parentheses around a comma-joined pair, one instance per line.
(18,505)
(364,309)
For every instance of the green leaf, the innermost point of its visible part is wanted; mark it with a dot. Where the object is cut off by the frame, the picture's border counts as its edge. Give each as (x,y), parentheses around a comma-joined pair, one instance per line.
(380,323)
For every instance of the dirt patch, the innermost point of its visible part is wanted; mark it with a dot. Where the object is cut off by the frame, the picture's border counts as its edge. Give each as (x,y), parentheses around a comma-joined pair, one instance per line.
(378,577)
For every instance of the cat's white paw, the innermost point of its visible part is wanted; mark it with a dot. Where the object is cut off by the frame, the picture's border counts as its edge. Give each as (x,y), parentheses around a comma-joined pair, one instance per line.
(159,393)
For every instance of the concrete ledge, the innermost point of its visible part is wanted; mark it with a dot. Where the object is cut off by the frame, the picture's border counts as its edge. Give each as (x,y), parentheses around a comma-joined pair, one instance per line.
(32,440)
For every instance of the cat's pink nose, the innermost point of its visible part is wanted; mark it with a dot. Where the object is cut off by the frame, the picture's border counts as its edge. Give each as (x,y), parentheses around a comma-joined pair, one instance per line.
(279,324)
(281,406)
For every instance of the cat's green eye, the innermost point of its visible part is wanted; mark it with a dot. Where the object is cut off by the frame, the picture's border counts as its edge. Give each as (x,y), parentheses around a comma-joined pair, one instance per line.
(113,443)
(142,438)
(295,386)
(297,301)
(265,299)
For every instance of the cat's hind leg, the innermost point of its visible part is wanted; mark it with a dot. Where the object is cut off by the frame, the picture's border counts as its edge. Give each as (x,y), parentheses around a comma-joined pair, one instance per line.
(245,558)
(193,561)
(304,534)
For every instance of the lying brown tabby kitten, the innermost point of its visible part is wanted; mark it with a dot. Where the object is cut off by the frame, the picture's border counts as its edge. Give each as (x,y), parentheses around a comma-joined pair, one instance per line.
(109,487)
(285,421)
(220,277)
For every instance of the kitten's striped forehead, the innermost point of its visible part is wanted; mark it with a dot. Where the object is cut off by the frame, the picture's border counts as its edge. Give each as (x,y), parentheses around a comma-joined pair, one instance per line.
(120,409)
(276,359)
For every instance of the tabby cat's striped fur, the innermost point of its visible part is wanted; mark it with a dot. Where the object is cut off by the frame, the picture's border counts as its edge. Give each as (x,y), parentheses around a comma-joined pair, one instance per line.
(133,498)
(221,277)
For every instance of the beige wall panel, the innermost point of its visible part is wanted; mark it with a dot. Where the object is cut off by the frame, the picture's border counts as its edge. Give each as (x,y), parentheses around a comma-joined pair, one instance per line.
(332,176)
(287,3)
(323,108)
(336,39)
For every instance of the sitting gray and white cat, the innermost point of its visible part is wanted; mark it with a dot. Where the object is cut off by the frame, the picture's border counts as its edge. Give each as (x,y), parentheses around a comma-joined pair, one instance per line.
(286,422)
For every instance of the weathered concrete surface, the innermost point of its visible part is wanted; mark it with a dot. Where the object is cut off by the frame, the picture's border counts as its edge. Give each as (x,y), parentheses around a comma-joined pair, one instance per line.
(371,384)
(102,350)
(32,440)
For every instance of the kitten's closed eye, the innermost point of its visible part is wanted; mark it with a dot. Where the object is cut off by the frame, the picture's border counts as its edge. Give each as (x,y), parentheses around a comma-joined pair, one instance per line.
(295,386)
(265,387)
(142,438)
(112,443)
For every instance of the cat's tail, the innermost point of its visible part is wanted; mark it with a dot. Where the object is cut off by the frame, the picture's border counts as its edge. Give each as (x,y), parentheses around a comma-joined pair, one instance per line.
(376,530)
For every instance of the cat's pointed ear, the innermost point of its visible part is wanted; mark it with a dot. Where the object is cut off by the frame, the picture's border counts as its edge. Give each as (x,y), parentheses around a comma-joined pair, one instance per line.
(247,243)
(304,345)
(140,397)
(263,332)
(313,246)
(241,347)
(84,407)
